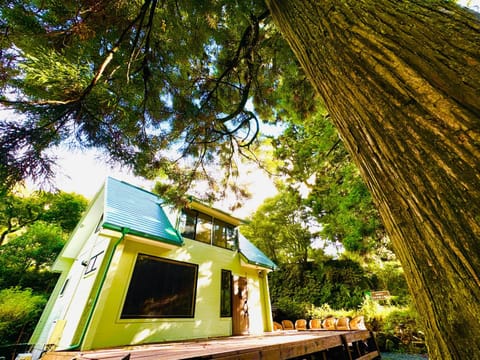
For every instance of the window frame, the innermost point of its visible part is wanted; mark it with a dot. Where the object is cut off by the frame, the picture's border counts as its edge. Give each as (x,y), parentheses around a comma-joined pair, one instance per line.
(227,240)
(135,313)
(92,264)
(226,296)
(190,219)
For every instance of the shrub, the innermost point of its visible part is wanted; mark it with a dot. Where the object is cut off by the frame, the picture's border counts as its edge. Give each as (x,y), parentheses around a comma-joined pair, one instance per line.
(319,312)
(286,308)
(397,327)
(19,311)
(340,283)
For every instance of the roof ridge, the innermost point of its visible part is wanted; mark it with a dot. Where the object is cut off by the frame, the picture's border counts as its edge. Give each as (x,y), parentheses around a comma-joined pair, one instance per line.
(132,186)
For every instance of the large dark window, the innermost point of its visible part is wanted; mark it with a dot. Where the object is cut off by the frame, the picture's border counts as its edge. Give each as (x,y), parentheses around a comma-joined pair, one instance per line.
(161,288)
(207,229)
(226,294)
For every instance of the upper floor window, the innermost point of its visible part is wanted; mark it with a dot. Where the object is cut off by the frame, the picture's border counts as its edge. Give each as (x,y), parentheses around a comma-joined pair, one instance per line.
(207,229)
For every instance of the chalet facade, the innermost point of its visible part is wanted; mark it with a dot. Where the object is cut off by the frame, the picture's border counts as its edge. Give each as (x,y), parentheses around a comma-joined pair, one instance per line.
(129,277)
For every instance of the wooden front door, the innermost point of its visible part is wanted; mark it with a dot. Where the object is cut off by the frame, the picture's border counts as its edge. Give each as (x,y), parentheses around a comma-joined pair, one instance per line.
(240,306)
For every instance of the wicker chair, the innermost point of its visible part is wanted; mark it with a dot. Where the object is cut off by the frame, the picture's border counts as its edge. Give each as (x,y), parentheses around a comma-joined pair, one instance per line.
(358,323)
(288,325)
(329,323)
(301,324)
(315,324)
(343,323)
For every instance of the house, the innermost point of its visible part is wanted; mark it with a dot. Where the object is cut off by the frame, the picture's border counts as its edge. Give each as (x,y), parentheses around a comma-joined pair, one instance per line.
(128,276)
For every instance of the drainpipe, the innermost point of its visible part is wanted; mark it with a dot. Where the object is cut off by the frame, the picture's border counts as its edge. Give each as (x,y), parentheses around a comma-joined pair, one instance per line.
(266,302)
(97,294)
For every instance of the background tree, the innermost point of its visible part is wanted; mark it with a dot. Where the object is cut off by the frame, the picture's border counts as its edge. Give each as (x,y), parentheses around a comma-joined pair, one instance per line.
(19,312)
(281,227)
(313,156)
(17,212)
(63,209)
(336,283)
(35,228)
(400,84)
(25,260)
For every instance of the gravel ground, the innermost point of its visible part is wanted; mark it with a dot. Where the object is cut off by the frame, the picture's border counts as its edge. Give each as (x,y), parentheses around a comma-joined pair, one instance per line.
(397,356)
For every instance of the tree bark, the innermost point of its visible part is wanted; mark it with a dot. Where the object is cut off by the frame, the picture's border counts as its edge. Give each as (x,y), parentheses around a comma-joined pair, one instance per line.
(401,80)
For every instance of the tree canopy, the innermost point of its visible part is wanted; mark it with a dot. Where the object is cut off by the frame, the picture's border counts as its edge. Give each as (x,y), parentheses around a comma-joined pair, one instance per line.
(152,82)
(148,82)
(17,212)
(34,229)
(311,153)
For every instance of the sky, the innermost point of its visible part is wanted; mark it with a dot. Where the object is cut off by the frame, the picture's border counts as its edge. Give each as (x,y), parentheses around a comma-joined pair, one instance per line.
(473,4)
(84,172)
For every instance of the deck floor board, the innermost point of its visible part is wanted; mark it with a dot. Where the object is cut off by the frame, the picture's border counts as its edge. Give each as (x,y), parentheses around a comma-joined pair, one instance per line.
(277,345)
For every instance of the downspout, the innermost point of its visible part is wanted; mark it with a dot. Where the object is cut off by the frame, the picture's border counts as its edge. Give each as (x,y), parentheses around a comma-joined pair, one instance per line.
(268,316)
(97,294)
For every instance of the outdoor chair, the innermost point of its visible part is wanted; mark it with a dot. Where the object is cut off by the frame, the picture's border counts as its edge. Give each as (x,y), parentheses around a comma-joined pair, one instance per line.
(277,326)
(343,323)
(288,325)
(315,324)
(329,323)
(358,323)
(301,324)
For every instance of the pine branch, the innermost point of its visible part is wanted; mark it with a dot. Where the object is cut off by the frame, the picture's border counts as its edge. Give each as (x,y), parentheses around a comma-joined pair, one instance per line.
(246,47)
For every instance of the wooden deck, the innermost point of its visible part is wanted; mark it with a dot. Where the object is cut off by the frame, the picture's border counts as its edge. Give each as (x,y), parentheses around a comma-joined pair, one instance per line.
(322,345)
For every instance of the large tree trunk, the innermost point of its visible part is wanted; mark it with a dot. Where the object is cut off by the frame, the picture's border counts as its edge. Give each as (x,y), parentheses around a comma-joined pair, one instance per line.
(401,80)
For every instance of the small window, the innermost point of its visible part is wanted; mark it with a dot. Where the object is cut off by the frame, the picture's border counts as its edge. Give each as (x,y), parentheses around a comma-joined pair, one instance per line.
(161,288)
(93,263)
(226,294)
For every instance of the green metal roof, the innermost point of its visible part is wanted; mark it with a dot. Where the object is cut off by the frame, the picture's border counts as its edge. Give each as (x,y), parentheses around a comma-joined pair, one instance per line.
(253,254)
(137,211)
(140,213)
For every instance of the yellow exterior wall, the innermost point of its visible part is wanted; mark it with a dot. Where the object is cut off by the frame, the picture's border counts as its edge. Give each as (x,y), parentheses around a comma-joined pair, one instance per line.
(67,263)
(107,329)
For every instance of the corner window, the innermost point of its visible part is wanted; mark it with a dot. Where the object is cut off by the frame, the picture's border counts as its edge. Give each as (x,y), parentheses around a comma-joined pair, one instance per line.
(207,229)
(161,288)
(188,221)
(226,294)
